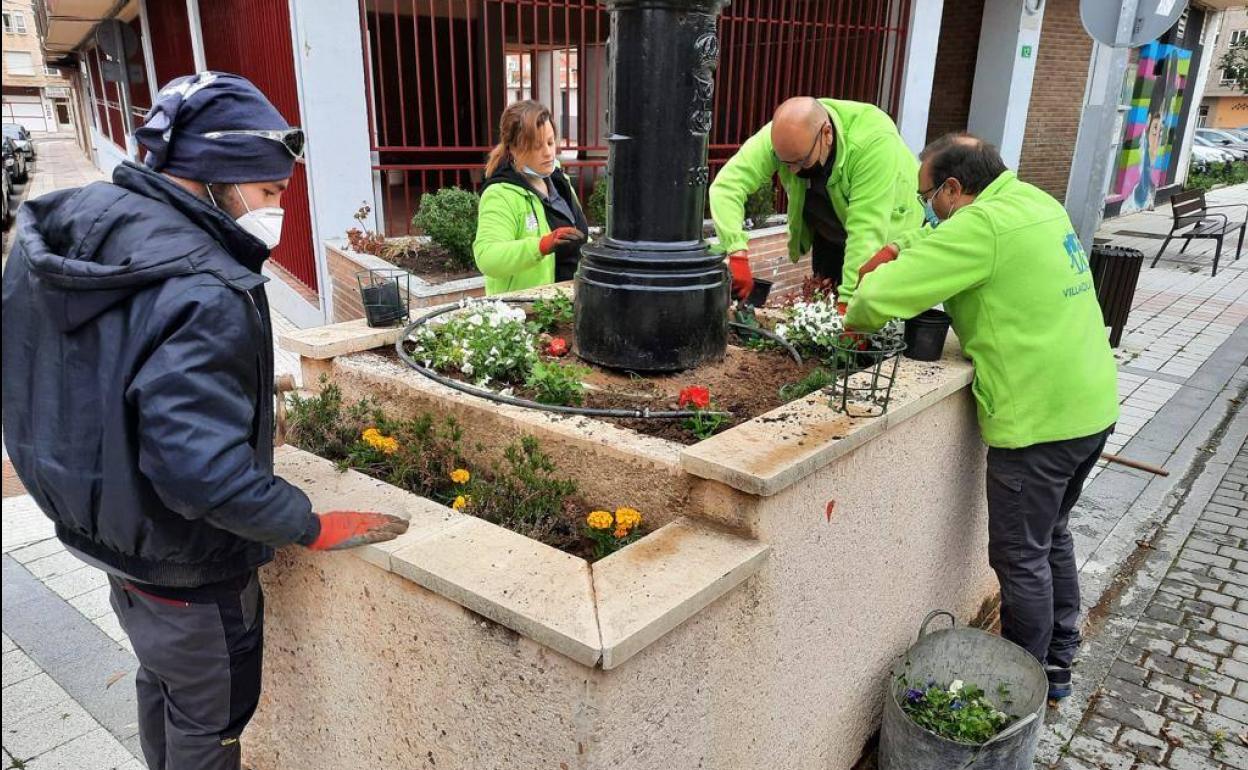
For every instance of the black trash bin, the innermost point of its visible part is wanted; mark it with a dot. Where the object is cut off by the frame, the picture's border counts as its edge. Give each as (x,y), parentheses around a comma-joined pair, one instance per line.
(1115,272)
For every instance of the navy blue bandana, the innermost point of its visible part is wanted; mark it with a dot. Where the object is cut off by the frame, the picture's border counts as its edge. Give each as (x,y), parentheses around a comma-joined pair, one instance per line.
(187,108)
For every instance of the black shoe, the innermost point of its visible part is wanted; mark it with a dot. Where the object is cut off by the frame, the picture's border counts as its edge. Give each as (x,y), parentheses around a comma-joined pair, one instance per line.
(1060,682)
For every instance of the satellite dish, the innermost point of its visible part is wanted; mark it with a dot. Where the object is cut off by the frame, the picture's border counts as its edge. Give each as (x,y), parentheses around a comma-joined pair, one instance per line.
(1152,19)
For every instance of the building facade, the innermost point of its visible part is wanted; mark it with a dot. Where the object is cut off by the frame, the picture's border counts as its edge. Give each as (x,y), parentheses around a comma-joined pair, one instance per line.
(1224,105)
(34,95)
(401,99)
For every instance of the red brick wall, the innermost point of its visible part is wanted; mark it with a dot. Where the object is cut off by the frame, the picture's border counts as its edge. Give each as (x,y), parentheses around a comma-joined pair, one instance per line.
(1056,98)
(347,304)
(955,66)
(769,259)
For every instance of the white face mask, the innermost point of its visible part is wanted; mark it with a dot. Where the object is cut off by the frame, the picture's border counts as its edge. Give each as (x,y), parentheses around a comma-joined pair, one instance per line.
(264,223)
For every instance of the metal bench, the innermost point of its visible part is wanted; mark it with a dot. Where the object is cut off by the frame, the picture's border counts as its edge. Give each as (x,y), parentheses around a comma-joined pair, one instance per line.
(1190,210)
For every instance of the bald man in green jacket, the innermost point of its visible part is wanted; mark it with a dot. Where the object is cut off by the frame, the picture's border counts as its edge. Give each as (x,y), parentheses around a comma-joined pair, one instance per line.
(849,179)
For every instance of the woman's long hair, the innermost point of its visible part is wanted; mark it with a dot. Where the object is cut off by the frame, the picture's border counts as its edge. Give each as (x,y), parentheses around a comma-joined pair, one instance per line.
(519,127)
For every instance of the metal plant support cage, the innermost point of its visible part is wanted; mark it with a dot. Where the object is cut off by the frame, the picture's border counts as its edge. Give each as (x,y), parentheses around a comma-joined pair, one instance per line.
(864,368)
(386,295)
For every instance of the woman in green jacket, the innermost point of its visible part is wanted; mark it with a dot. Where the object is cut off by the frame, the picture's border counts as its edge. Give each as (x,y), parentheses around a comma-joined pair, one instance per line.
(530,226)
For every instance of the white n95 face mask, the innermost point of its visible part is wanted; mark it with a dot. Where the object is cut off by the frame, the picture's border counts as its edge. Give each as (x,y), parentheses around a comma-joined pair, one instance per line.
(264,223)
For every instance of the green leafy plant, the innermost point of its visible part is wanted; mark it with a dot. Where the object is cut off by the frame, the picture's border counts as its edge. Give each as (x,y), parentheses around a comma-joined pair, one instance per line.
(554,383)
(485,342)
(959,711)
(760,205)
(524,492)
(706,419)
(321,424)
(818,379)
(547,313)
(449,218)
(1235,172)
(596,204)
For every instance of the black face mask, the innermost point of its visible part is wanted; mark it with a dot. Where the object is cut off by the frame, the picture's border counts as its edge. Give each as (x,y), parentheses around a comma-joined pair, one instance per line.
(814,172)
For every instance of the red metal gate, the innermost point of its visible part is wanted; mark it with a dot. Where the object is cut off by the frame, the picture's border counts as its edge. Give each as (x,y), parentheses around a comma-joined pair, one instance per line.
(261,51)
(440,72)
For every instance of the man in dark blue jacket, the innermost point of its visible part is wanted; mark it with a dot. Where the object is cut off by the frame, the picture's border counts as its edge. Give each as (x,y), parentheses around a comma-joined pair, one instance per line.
(138,402)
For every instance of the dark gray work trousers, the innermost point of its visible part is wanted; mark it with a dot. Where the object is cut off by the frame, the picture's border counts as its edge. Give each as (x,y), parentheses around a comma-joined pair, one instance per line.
(199,652)
(1031,492)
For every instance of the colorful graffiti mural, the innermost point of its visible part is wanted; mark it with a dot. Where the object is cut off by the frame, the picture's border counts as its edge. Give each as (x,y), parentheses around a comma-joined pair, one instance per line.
(1151,125)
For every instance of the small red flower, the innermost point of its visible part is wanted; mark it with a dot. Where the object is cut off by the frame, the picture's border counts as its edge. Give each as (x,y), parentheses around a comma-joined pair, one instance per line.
(557,347)
(695,396)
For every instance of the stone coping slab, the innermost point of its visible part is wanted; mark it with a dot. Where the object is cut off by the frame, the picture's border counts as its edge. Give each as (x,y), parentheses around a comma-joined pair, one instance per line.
(662,580)
(551,597)
(780,448)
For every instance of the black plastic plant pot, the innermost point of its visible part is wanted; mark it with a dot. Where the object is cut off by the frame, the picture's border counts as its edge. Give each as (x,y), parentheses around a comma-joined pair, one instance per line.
(758,296)
(384,294)
(925,335)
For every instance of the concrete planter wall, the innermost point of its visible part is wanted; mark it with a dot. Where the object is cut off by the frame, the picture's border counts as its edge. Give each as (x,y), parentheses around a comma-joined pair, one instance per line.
(754,628)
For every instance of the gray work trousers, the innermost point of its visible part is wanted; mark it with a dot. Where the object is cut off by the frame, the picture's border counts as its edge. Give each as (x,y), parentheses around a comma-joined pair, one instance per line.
(199,652)
(1031,492)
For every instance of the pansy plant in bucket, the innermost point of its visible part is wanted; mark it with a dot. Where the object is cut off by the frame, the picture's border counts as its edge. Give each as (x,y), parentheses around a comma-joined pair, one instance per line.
(958,711)
(612,531)
(705,420)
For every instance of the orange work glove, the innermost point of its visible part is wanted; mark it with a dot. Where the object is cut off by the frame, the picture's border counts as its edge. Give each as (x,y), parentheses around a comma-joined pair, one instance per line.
(841,307)
(558,237)
(886,254)
(742,277)
(348,529)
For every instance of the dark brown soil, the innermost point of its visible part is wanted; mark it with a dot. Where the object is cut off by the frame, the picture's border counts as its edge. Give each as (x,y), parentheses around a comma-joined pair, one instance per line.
(431,263)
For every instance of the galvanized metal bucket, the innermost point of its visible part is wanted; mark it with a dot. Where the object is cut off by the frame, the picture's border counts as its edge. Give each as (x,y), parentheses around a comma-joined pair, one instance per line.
(973,656)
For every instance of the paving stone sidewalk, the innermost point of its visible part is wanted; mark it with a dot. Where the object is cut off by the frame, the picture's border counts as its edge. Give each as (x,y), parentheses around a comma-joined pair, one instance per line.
(1177,693)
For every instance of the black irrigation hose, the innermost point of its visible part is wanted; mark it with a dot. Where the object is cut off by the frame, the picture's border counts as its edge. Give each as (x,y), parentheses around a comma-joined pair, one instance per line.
(525,403)
(776,338)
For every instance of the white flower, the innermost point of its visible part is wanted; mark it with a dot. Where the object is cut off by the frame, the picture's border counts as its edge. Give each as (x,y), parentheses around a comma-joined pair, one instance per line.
(475,319)
(955,687)
(467,369)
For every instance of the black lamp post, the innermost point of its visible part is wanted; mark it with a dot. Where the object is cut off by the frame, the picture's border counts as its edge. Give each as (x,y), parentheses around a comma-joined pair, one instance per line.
(650,296)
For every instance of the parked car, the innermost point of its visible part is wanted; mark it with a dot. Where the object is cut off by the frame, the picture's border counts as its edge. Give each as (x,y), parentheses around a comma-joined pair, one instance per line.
(1216,153)
(21,137)
(14,162)
(1239,133)
(1224,141)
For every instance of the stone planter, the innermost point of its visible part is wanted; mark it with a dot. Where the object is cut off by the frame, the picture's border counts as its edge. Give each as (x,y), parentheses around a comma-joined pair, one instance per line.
(344,264)
(793,557)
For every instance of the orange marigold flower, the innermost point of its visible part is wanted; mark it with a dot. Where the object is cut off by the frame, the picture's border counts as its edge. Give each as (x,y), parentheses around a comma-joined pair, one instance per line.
(600,520)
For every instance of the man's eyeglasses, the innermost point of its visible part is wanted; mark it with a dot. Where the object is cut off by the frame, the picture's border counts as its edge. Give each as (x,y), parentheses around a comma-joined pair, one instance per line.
(805,161)
(290,138)
(922,194)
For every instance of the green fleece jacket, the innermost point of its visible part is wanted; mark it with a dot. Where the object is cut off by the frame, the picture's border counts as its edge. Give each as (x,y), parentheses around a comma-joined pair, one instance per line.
(1010,270)
(511,221)
(872,186)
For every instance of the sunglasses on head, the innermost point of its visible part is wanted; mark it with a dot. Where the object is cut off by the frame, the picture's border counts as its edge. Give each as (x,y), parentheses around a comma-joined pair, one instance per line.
(290,138)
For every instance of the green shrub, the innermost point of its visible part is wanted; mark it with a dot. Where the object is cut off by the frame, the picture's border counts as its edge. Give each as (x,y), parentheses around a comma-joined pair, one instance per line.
(596,205)
(550,312)
(449,218)
(760,205)
(554,383)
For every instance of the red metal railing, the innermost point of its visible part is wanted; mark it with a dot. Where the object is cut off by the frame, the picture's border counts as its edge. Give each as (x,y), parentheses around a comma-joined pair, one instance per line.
(262,51)
(439,73)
